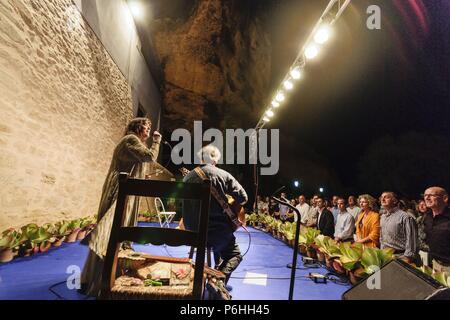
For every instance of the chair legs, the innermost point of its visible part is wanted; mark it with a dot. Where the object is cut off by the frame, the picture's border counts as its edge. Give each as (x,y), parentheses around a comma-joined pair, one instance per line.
(208,255)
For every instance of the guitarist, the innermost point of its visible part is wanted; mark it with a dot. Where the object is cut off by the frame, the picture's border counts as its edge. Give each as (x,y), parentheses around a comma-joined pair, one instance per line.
(220,227)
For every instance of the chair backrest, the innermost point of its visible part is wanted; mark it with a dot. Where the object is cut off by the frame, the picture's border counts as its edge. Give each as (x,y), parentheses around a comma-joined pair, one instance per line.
(159,204)
(156,235)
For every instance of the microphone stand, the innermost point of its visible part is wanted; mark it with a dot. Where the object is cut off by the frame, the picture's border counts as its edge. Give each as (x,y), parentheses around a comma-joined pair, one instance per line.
(297,234)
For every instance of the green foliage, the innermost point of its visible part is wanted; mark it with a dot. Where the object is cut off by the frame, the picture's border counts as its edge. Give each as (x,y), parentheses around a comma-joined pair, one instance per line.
(289,230)
(10,239)
(327,245)
(35,234)
(351,255)
(308,235)
(373,258)
(61,229)
(251,217)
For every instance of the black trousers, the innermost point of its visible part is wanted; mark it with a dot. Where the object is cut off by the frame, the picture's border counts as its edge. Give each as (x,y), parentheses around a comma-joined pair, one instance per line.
(229,254)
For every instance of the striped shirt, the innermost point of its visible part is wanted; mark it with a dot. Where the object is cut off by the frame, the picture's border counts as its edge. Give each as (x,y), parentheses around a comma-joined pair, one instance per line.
(399,232)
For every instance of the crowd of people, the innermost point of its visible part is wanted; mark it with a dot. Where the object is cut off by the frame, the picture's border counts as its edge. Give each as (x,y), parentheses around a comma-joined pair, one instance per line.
(417,230)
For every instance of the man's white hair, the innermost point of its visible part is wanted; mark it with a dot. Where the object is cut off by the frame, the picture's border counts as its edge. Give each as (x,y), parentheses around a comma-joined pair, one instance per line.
(209,154)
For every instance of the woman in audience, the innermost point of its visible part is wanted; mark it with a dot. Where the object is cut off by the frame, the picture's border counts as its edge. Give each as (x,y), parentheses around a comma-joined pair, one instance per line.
(421,210)
(368,223)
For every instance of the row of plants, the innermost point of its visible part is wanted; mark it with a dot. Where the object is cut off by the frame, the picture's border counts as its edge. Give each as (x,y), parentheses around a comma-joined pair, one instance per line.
(148,216)
(32,239)
(350,259)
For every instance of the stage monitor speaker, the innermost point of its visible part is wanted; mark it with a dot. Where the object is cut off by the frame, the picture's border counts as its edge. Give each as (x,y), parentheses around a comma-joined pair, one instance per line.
(398,281)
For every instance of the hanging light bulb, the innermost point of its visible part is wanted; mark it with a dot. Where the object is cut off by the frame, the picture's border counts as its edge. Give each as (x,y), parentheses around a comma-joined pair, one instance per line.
(280,97)
(295,73)
(275,104)
(288,85)
(322,35)
(270,113)
(266,119)
(311,51)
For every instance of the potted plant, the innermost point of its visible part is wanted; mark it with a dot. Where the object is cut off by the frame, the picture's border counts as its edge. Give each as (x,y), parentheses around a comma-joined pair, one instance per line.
(27,245)
(43,238)
(289,233)
(319,242)
(350,260)
(311,234)
(9,244)
(74,227)
(61,230)
(302,241)
(373,259)
(86,225)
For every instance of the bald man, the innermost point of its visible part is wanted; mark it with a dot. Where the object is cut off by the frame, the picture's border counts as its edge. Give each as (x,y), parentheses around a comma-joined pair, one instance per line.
(437,227)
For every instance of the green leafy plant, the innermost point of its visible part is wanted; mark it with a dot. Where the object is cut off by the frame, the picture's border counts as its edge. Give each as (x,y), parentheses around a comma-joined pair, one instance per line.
(61,229)
(310,235)
(350,256)
(74,225)
(289,230)
(10,239)
(327,245)
(373,258)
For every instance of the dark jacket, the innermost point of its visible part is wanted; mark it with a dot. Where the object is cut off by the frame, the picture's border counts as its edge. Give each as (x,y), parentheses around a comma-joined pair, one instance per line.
(326,223)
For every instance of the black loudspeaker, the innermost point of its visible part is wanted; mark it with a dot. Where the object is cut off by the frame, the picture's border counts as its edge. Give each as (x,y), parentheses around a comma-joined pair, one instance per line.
(398,281)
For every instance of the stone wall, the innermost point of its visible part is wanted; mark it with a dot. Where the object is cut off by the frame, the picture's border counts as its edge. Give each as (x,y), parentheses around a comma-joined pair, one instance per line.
(63,106)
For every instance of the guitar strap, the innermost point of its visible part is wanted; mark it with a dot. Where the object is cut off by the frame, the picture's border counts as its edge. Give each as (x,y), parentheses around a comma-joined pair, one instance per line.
(233,217)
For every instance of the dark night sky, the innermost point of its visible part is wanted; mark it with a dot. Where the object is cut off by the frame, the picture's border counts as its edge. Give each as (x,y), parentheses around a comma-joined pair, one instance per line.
(367,84)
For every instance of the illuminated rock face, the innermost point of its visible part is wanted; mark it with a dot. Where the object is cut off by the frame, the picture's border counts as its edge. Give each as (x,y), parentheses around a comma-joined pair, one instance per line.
(63,106)
(217,64)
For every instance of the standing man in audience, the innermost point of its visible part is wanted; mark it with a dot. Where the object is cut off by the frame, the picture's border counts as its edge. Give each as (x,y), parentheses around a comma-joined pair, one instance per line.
(334,208)
(345,224)
(311,219)
(325,220)
(303,208)
(437,227)
(352,208)
(398,229)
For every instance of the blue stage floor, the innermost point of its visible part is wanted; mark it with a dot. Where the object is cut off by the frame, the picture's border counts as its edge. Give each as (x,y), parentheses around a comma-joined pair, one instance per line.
(262,275)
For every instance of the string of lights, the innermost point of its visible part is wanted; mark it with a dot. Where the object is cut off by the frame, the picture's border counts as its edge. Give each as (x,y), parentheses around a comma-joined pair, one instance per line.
(320,34)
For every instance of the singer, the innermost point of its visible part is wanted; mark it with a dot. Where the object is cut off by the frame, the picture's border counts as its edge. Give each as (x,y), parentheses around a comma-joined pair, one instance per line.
(128,156)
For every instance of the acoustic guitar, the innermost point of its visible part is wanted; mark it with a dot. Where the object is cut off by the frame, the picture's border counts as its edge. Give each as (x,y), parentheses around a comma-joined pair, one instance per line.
(237,218)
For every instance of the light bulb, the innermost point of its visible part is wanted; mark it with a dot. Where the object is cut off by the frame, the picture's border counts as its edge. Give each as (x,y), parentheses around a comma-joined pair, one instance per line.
(311,52)
(288,85)
(322,35)
(280,97)
(295,73)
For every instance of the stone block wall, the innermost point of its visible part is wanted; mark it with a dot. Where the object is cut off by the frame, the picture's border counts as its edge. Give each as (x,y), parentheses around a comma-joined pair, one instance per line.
(63,106)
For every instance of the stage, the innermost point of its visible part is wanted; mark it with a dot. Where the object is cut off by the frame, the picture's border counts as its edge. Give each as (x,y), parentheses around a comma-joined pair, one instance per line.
(262,275)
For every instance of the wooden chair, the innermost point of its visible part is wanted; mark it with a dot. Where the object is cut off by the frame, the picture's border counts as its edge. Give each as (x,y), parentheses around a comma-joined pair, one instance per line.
(155,235)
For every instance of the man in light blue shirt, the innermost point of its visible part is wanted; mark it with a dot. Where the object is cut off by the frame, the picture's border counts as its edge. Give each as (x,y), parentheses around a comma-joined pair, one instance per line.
(335,210)
(345,224)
